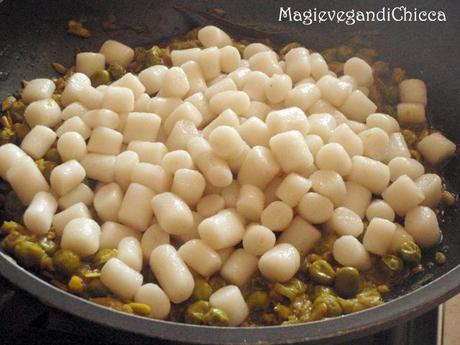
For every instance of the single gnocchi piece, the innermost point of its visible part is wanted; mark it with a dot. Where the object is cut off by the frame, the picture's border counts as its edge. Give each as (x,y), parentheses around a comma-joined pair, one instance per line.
(152,295)
(26,170)
(117,53)
(239,267)
(348,251)
(121,279)
(38,141)
(231,301)
(291,151)
(135,209)
(82,235)
(130,252)
(302,235)
(280,263)
(422,224)
(222,230)
(258,239)
(345,222)
(107,202)
(200,257)
(172,213)
(378,236)
(172,273)
(38,89)
(403,195)
(436,148)
(38,216)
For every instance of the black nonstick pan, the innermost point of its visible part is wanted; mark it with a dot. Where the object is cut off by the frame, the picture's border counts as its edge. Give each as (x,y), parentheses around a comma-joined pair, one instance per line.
(33,34)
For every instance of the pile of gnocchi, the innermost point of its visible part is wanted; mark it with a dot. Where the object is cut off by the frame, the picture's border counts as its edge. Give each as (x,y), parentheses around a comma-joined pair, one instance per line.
(226,163)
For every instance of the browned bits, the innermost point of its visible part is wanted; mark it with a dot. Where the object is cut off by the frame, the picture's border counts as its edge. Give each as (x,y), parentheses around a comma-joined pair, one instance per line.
(398,75)
(76,28)
(59,68)
(449,198)
(440,258)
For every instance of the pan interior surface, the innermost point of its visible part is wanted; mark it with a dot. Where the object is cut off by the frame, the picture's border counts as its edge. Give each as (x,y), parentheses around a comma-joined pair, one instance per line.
(34,36)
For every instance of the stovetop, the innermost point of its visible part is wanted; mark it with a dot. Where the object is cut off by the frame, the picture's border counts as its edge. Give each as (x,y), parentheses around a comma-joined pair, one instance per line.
(26,321)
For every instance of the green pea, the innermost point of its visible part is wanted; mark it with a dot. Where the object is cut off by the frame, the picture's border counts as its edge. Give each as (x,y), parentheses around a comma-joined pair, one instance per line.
(17,110)
(410,253)
(7,136)
(369,298)
(139,54)
(95,288)
(104,255)
(116,71)
(347,282)
(216,317)
(333,306)
(321,272)
(318,312)
(21,130)
(195,312)
(66,262)
(319,290)
(290,289)
(391,94)
(101,77)
(10,241)
(258,300)
(154,56)
(392,264)
(202,290)
(45,167)
(29,254)
(282,311)
(50,247)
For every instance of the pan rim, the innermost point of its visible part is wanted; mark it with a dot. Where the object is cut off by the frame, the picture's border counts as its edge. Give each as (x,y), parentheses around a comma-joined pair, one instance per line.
(337,329)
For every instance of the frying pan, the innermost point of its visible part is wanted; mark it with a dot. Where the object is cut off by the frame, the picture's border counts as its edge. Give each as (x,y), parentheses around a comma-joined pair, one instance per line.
(32,35)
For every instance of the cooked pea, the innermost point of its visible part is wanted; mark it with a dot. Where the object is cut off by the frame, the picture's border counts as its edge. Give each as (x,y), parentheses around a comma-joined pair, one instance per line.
(202,290)
(333,306)
(127,309)
(153,56)
(7,135)
(65,262)
(95,288)
(17,110)
(383,288)
(103,255)
(29,253)
(319,290)
(347,282)
(370,298)
(240,46)
(116,71)
(392,264)
(10,226)
(291,289)
(258,300)
(101,77)
(321,272)
(50,247)
(195,312)
(139,54)
(216,317)
(282,311)
(45,167)
(76,285)
(318,312)
(21,130)
(140,308)
(7,103)
(10,241)
(410,253)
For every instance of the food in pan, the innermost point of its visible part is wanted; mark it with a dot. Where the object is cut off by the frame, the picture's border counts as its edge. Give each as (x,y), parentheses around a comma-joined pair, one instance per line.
(223,183)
